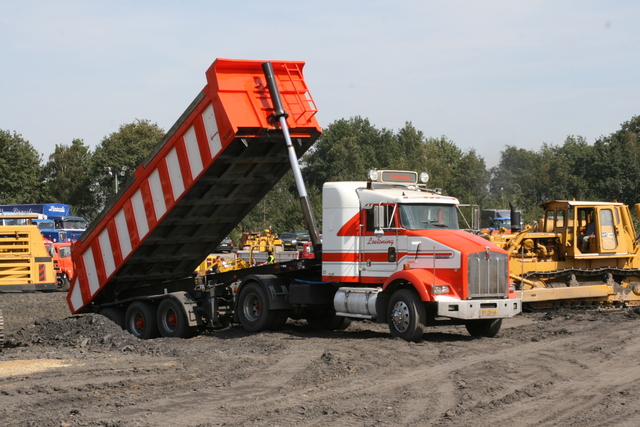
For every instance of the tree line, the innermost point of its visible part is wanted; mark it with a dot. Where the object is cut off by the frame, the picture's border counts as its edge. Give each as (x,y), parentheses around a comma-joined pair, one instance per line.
(607,170)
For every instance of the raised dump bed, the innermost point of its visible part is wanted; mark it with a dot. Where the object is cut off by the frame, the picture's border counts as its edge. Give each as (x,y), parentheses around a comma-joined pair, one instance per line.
(213,166)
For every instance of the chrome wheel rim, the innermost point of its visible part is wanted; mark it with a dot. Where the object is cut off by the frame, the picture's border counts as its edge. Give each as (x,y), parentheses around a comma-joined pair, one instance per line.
(400,316)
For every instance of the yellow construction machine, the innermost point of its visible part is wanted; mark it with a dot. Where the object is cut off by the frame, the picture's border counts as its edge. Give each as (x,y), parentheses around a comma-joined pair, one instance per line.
(217,264)
(265,240)
(25,263)
(581,253)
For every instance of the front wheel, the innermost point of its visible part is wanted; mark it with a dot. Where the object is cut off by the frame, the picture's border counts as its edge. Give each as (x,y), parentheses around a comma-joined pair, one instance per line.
(141,320)
(407,315)
(484,327)
(172,320)
(253,309)
(63,283)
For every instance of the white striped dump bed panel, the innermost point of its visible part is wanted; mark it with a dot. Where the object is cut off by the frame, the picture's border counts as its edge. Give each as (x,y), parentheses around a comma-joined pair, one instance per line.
(144,208)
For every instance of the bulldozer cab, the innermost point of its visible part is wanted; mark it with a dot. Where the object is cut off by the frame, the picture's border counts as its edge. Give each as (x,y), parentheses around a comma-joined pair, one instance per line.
(590,228)
(582,252)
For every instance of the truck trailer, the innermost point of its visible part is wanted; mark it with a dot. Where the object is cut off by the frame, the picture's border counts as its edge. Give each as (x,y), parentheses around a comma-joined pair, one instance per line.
(391,250)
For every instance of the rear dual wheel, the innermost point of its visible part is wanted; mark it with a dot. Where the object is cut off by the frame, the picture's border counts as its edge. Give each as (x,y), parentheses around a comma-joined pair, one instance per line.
(172,320)
(254,312)
(141,321)
(145,320)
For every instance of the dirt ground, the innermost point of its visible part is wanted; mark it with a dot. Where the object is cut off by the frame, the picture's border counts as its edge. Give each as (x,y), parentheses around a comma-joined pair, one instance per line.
(567,367)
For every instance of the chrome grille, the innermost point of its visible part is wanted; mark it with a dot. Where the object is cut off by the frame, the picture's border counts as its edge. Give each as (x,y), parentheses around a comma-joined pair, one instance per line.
(488,275)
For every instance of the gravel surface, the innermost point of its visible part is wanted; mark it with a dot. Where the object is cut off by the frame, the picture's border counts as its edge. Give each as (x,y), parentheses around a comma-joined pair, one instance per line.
(563,367)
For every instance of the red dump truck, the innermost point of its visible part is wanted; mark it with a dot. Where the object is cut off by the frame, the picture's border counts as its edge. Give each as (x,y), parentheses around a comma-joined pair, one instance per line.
(392,252)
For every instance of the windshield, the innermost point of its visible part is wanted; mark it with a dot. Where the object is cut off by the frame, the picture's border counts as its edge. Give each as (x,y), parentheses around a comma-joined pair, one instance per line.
(43,225)
(302,234)
(73,224)
(18,221)
(424,217)
(64,251)
(505,222)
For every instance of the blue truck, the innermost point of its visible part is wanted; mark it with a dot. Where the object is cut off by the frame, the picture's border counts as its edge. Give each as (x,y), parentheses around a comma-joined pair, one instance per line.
(56,224)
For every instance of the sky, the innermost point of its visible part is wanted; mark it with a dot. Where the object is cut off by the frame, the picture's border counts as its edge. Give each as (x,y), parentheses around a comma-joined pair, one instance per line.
(485,74)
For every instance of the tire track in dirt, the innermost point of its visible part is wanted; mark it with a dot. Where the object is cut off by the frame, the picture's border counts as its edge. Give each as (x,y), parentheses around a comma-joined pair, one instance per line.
(263,387)
(560,378)
(270,388)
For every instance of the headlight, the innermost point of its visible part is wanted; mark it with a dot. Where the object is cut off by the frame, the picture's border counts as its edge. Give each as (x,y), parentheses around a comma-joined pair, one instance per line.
(373,175)
(440,289)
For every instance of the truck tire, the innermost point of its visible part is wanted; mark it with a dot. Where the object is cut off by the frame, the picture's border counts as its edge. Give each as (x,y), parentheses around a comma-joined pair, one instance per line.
(114,314)
(484,327)
(252,309)
(63,283)
(172,320)
(406,315)
(281,320)
(141,320)
(328,321)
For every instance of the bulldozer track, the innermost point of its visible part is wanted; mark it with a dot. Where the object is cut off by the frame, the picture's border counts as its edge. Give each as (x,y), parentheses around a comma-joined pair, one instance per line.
(624,272)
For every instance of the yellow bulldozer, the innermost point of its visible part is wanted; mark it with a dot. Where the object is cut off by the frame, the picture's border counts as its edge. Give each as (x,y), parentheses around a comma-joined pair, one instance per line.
(581,253)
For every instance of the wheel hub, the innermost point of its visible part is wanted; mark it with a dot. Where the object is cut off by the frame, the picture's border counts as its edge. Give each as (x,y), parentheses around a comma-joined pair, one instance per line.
(400,316)
(252,307)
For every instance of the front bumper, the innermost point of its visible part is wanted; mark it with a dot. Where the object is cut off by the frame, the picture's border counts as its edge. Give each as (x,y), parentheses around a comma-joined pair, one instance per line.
(480,308)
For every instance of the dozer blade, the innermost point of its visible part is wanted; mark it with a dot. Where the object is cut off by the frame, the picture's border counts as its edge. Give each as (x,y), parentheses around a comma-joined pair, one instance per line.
(575,293)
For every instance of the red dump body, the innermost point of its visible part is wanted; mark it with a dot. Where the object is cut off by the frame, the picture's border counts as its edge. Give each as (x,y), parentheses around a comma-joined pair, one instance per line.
(213,166)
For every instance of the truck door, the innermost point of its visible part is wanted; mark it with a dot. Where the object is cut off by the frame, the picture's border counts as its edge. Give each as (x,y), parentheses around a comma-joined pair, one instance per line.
(607,231)
(378,254)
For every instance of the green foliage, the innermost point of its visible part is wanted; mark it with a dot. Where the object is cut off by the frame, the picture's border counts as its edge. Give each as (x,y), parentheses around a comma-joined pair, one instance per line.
(20,171)
(118,156)
(614,167)
(280,209)
(68,180)
(607,170)
(347,150)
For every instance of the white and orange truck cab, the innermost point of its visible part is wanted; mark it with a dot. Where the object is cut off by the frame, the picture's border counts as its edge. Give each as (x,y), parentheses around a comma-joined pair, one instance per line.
(392,233)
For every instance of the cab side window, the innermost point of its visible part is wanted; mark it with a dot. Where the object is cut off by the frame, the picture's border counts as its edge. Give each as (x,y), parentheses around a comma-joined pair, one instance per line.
(549,221)
(370,226)
(559,219)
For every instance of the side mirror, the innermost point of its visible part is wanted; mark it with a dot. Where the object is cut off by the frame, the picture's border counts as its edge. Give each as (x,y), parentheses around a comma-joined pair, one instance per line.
(378,220)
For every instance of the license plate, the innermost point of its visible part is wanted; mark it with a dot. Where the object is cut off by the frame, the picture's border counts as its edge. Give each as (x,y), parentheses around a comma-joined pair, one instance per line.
(489,312)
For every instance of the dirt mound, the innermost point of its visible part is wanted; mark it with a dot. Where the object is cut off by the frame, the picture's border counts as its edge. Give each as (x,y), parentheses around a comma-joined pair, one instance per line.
(90,331)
